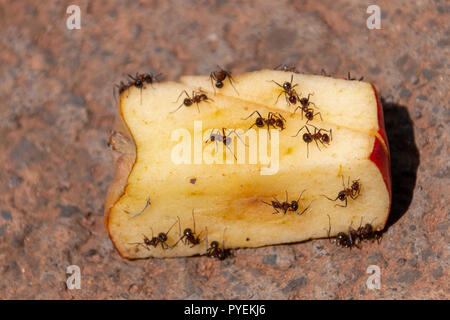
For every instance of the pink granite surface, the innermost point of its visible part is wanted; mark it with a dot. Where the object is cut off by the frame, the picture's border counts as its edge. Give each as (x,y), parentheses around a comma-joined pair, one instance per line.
(57,109)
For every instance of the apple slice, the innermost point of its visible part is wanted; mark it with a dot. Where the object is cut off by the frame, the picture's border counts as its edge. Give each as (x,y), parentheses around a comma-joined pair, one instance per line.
(178,178)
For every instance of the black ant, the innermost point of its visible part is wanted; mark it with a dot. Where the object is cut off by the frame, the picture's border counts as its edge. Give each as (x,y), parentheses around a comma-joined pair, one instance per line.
(344,240)
(354,238)
(189,236)
(139,81)
(304,107)
(219,77)
(286,68)
(224,138)
(196,98)
(122,86)
(352,191)
(275,120)
(214,250)
(323,138)
(154,241)
(368,233)
(353,79)
(289,91)
(140,212)
(286,205)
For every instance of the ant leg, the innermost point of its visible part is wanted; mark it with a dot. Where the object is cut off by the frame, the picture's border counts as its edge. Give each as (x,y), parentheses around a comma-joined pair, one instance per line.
(177,108)
(232,83)
(206,238)
(276,83)
(211,77)
(329,228)
(184,91)
(231,152)
(301,195)
(250,128)
(223,238)
(307,150)
(315,140)
(340,205)
(256,111)
(278,96)
(309,205)
(235,133)
(343,183)
(318,113)
(286,196)
(300,130)
(171,227)
(193,219)
(179,226)
(330,198)
(198,108)
(281,116)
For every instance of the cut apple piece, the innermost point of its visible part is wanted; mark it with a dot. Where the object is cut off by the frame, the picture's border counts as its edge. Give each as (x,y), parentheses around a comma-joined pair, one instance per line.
(222,184)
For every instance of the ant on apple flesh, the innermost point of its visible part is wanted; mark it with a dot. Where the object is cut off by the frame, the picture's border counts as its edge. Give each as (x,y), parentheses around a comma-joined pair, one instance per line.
(189,236)
(286,205)
(352,191)
(197,97)
(224,138)
(308,137)
(217,78)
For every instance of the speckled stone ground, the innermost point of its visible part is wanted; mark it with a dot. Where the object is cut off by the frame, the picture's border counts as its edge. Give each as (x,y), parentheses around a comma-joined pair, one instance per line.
(57,108)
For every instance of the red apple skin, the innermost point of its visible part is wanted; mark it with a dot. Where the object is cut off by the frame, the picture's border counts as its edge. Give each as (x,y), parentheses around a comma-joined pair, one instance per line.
(380,153)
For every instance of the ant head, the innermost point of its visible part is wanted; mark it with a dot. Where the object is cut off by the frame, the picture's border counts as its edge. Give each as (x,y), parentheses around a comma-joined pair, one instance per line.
(342,196)
(325,138)
(219,84)
(307,137)
(162,237)
(221,255)
(294,205)
(214,244)
(279,123)
(259,122)
(287,86)
(147,241)
(368,228)
(187,102)
(187,232)
(341,236)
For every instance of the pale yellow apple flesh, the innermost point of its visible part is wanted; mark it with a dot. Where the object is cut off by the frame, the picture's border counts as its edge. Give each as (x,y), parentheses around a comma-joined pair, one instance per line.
(227,199)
